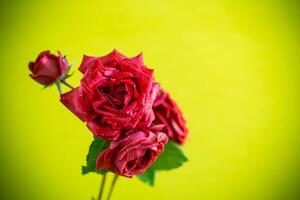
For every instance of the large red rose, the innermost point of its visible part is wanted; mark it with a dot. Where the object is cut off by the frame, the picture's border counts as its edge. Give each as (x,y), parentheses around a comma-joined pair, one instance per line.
(115,94)
(168,113)
(134,153)
(48,68)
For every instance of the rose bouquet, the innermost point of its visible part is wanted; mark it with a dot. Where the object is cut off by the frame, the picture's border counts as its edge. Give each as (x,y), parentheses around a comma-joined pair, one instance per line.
(137,127)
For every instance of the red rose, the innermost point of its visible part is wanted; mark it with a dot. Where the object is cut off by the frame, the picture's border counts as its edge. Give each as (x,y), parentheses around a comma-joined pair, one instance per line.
(168,113)
(115,93)
(134,153)
(48,68)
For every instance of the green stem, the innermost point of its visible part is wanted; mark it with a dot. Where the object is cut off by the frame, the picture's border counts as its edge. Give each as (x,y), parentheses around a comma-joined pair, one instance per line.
(102,187)
(67,84)
(112,186)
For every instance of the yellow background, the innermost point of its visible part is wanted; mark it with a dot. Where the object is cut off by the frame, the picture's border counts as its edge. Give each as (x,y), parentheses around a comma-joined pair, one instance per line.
(233,67)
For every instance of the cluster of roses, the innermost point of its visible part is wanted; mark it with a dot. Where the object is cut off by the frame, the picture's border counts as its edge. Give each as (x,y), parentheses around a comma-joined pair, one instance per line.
(120,102)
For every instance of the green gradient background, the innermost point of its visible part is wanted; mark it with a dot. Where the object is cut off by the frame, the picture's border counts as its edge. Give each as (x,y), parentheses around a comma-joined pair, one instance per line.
(233,66)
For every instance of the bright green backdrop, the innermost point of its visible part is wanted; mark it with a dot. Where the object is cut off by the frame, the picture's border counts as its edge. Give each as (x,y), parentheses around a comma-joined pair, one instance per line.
(233,67)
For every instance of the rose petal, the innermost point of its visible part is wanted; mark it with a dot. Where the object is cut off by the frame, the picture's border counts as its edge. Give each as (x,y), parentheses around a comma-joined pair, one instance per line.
(113,56)
(86,60)
(138,59)
(75,102)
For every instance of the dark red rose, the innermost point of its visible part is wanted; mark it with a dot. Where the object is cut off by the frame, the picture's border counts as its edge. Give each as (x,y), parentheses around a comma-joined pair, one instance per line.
(134,153)
(168,113)
(115,94)
(48,68)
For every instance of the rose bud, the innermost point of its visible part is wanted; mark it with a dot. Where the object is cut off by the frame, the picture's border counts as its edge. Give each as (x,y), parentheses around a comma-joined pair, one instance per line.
(48,68)
(168,113)
(134,153)
(115,94)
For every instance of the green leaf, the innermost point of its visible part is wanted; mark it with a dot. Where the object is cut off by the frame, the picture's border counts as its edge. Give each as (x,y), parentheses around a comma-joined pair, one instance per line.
(148,176)
(96,147)
(172,157)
